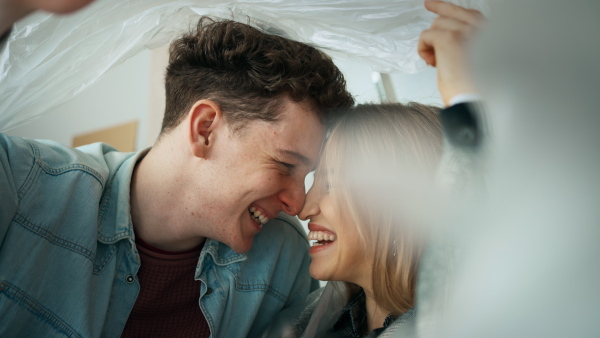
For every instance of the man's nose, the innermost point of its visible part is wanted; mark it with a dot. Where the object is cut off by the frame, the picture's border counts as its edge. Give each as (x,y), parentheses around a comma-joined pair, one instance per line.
(292,198)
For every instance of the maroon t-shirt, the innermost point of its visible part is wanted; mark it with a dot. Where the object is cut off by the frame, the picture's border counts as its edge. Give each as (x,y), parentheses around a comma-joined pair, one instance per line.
(168,303)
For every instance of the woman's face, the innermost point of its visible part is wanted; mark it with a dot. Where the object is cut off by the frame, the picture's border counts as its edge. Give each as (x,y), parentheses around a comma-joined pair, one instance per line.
(337,251)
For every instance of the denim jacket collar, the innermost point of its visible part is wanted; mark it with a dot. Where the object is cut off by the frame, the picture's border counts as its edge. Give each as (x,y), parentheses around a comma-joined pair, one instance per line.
(114,217)
(221,253)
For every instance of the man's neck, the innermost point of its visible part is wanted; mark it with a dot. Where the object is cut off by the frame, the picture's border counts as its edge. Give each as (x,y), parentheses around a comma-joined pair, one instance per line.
(157,205)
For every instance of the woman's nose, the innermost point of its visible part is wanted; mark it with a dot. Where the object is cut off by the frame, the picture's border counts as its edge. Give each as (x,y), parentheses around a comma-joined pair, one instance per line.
(310,208)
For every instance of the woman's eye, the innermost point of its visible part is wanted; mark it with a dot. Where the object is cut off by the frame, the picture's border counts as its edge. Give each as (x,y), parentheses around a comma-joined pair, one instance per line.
(322,182)
(287,166)
(325,186)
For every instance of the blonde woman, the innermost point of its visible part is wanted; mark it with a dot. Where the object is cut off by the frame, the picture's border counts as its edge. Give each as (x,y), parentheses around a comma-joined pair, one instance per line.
(375,165)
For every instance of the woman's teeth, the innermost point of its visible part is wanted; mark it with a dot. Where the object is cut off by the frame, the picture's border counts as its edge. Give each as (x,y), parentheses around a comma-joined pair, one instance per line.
(321,237)
(258,216)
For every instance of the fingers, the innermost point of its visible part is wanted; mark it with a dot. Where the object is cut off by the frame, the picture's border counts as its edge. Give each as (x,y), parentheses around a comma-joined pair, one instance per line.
(425,47)
(438,39)
(454,26)
(468,16)
(448,24)
(445,46)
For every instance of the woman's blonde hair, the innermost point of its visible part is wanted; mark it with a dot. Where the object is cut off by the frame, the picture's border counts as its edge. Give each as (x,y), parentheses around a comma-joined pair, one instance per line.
(367,154)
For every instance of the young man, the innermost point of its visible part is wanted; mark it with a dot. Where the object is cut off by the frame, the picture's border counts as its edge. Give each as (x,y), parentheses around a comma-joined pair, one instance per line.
(183,239)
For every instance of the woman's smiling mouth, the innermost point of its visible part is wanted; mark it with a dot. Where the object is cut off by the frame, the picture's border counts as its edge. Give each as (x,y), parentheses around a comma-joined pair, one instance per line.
(321,237)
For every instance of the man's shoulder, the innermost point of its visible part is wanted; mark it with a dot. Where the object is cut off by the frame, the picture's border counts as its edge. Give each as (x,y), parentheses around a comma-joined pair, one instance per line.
(96,156)
(292,222)
(281,248)
(96,159)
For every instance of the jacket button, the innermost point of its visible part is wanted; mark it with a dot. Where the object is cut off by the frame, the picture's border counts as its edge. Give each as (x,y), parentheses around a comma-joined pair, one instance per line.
(129,279)
(208,291)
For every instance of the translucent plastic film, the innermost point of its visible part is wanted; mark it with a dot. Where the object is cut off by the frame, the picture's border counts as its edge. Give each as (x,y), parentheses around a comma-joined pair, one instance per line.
(49,59)
(529,266)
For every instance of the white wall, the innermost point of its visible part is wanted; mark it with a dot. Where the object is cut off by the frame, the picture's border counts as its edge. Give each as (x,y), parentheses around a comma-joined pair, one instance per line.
(358,80)
(420,87)
(120,96)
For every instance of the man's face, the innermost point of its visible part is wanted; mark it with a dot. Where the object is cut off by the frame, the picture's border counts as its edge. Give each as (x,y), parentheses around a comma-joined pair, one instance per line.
(260,172)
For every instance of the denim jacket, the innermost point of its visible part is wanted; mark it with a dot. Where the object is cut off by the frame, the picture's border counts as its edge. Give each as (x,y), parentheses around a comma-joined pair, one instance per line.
(68,260)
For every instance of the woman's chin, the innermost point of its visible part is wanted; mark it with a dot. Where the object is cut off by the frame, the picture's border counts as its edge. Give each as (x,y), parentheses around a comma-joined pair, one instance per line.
(318,274)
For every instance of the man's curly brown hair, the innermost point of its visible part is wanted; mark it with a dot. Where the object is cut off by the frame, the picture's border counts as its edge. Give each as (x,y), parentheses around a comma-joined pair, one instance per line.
(248,73)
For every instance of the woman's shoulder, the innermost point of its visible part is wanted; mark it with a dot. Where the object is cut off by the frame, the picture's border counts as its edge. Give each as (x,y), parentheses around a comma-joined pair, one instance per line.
(403,326)
(292,321)
(314,317)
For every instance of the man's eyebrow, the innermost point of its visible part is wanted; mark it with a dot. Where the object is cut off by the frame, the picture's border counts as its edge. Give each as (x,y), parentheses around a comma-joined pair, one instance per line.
(289,153)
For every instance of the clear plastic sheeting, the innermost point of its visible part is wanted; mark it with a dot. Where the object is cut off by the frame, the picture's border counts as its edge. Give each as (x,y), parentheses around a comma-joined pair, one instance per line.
(50,59)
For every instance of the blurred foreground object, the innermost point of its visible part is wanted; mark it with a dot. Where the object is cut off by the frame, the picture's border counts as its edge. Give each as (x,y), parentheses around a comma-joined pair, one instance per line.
(530,264)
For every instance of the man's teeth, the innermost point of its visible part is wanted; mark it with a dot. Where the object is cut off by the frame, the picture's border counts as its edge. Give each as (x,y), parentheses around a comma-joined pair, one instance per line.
(258,216)
(321,236)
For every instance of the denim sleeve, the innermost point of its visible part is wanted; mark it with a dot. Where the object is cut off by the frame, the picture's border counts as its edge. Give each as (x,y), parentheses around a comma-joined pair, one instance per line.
(303,285)
(290,322)
(8,182)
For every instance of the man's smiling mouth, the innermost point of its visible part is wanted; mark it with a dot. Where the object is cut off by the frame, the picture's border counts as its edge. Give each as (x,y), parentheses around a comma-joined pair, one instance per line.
(258,216)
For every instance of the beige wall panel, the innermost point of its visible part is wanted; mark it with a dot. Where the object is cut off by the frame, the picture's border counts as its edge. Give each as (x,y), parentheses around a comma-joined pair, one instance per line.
(121,137)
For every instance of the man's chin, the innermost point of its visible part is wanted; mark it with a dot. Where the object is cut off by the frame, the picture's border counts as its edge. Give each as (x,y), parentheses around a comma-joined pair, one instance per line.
(241,248)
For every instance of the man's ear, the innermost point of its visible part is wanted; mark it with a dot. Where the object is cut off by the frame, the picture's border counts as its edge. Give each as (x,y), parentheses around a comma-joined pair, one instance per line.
(204,117)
